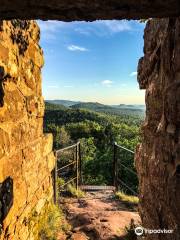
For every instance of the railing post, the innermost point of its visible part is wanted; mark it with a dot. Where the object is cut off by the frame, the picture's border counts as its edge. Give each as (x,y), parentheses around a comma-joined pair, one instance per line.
(77,167)
(115,166)
(55,179)
(80,165)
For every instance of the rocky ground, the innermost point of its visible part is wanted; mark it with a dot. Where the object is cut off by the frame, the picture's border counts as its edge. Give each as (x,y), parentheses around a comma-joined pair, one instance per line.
(98,216)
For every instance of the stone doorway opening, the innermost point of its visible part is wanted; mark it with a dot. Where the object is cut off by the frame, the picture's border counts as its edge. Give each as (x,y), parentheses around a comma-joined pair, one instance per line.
(157,158)
(95,65)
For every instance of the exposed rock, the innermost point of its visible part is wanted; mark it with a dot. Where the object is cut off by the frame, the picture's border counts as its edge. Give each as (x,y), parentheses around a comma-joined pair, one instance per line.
(26,156)
(158,157)
(69,10)
(98,216)
(79,236)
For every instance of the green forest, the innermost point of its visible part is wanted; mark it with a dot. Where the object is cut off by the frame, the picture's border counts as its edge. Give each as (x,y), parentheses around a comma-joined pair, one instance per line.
(97,127)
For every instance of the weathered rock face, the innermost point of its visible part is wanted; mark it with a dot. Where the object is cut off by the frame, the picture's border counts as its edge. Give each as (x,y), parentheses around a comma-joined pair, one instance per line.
(26,158)
(70,10)
(158,157)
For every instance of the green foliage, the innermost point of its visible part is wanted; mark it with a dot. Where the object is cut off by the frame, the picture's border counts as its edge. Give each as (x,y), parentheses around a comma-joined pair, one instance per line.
(99,170)
(131,200)
(60,182)
(50,106)
(88,149)
(85,129)
(96,131)
(61,137)
(49,223)
(63,116)
(75,192)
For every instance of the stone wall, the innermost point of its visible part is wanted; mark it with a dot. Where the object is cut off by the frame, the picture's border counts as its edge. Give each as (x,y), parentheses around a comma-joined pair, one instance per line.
(26,157)
(158,157)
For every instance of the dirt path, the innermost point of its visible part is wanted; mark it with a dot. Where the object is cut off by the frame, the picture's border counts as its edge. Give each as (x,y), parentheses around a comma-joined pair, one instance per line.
(98,216)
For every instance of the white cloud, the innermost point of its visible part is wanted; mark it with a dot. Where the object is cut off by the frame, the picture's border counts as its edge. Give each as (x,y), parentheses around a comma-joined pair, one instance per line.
(107,83)
(77,48)
(116,26)
(50,25)
(103,28)
(68,86)
(84,31)
(53,86)
(133,74)
(50,28)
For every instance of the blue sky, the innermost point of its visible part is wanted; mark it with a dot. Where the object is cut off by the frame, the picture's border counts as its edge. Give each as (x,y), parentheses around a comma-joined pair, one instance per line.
(92,61)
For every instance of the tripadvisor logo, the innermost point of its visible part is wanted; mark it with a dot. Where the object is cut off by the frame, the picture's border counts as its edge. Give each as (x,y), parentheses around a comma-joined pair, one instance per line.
(139,231)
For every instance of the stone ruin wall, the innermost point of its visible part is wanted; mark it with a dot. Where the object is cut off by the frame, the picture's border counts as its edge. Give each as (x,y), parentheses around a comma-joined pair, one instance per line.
(158,157)
(26,157)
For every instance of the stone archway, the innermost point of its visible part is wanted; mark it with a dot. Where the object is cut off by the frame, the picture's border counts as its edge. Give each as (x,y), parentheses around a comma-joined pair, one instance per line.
(26,153)
(69,10)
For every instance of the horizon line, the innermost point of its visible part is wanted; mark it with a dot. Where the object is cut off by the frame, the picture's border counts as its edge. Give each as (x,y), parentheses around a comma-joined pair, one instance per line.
(84,101)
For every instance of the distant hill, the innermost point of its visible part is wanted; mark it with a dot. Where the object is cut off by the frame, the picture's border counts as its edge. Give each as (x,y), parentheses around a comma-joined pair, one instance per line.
(113,110)
(60,115)
(66,103)
(53,106)
(95,106)
(63,115)
(121,109)
(136,106)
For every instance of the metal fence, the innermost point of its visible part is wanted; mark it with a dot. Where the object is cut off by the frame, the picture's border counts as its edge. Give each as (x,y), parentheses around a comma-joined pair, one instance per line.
(125,176)
(67,169)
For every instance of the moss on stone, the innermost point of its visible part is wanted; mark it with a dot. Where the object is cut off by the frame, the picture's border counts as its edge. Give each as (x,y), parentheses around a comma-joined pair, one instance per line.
(47,224)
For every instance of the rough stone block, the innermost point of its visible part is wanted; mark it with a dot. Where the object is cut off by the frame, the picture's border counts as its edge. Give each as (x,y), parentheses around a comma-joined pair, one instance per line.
(51,161)
(47,143)
(25,153)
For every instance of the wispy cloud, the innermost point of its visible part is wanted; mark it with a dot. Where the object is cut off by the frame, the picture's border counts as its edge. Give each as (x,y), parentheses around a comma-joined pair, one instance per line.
(53,86)
(68,86)
(103,28)
(77,48)
(100,28)
(51,25)
(133,74)
(50,28)
(107,83)
(116,26)
(84,31)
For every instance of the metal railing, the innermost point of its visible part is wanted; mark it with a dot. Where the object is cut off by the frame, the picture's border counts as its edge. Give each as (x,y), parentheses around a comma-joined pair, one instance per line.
(118,165)
(67,167)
